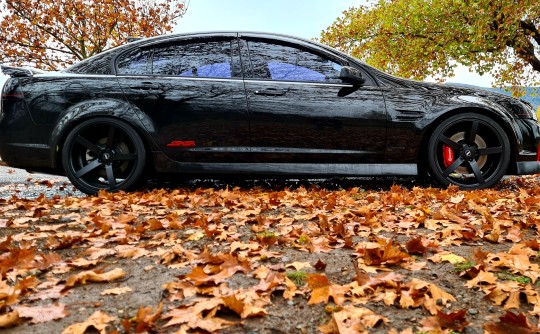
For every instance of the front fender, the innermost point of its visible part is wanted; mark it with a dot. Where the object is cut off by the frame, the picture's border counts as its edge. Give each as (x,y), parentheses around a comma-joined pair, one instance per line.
(482,105)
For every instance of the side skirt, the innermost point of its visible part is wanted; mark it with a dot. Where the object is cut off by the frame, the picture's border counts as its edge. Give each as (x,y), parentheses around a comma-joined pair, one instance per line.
(289,168)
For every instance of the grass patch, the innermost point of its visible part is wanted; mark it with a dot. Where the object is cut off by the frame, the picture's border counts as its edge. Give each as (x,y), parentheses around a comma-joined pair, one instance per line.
(508,276)
(298,277)
(463,266)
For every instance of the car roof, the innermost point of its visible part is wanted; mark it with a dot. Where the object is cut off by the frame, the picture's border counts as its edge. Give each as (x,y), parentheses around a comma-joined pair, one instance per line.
(186,35)
(142,41)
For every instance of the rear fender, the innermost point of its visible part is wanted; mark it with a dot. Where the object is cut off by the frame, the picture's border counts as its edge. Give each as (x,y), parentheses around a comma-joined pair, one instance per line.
(95,108)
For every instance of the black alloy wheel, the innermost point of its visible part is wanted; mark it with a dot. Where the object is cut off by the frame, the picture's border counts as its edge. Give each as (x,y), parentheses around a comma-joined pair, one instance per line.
(103,153)
(468,150)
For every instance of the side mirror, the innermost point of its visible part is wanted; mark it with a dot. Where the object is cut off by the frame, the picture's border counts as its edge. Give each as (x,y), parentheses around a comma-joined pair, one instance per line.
(351,75)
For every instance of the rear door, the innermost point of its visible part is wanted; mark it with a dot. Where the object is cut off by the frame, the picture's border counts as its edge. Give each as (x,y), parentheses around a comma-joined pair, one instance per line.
(301,111)
(193,92)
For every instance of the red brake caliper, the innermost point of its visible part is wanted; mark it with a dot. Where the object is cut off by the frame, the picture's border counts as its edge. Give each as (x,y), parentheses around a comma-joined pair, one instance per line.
(448,155)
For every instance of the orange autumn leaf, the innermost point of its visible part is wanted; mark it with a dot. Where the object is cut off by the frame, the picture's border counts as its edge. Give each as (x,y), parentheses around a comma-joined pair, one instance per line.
(116,291)
(322,289)
(420,293)
(230,265)
(352,320)
(270,282)
(511,323)
(533,244)
(320,266)
(49,35)
(92,276)
(199,316)
(387,252)
(415,246)
(98,320)
(319,245)
(243,309)
(483,277)
(298,265)
(40,314)
(455,321)
(28,283)
(146,318)
(9,319)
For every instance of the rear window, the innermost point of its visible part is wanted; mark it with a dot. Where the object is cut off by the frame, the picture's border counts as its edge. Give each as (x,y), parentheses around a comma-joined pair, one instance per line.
(204,59)
(95,65)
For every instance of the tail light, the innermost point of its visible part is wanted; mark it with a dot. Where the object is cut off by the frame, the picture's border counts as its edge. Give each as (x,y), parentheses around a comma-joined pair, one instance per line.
(10,91)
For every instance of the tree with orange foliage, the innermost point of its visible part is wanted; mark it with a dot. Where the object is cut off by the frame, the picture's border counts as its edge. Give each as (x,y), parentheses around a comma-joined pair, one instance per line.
(49,34)
(421,38)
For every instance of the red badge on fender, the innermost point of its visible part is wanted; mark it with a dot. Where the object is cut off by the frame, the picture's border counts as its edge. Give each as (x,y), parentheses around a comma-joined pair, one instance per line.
(182,143)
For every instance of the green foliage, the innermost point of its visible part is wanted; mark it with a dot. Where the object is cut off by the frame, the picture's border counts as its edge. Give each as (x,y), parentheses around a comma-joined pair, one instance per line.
(420,38)
(298,277)
(508,276)
(303,239)
(267,234)
(463,266)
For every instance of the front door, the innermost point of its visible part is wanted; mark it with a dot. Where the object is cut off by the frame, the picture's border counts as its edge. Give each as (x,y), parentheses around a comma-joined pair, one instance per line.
(301,111)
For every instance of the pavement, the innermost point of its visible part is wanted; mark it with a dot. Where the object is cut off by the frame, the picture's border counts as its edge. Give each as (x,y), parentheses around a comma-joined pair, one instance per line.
(22,184)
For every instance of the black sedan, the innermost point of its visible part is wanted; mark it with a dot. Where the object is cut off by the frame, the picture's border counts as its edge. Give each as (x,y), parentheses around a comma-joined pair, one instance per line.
(254,104)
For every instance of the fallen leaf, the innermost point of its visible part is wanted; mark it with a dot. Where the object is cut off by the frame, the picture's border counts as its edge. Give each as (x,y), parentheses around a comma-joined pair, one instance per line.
(299,265)
(322,289)
(98,320)
(320,266)
(40,314)
(510,323)
(483,277)
(455,321)
(201,315)
(92,276)
(116,291)
(415,246)
(243,309)
(447,257)
(8,320)
(457,199)
(146,318)
(352,320)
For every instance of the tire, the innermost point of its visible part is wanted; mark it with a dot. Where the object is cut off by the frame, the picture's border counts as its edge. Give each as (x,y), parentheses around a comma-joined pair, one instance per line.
(103,154)
(468,150)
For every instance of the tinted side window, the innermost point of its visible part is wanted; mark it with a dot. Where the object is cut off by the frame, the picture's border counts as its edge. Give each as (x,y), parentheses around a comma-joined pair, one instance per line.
(135,62)
(208,59)
(97,65)
(283,62)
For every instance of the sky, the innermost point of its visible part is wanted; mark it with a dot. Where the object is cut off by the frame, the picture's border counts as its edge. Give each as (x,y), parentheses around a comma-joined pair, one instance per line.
(302,18)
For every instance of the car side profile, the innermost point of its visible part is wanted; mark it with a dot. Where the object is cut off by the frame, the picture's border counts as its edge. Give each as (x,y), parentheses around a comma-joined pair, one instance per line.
(245,103)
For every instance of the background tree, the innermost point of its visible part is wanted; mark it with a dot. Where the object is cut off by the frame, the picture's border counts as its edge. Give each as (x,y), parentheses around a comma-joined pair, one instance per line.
(420,38)
(51,34)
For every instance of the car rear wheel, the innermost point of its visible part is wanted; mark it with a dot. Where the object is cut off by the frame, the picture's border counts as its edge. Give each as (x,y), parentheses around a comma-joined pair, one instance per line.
(469,150)
(103,153)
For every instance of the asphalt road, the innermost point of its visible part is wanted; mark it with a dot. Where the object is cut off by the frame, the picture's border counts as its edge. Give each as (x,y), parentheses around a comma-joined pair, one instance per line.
(20,183)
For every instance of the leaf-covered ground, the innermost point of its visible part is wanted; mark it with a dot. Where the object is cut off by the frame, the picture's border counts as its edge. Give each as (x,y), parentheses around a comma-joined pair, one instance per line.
(303,259)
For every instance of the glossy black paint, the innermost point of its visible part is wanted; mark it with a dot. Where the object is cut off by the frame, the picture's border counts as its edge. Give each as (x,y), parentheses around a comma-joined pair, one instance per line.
(249,103)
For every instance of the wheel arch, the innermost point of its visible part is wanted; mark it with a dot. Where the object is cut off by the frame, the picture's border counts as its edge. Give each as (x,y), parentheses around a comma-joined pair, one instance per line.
(78,114)
(502,120)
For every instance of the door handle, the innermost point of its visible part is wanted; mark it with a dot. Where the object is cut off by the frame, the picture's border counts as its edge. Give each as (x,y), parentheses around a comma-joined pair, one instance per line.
(270,92)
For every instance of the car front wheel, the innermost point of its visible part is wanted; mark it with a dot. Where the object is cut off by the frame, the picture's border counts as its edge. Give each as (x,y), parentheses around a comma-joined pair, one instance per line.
(103,153)
(468,150)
